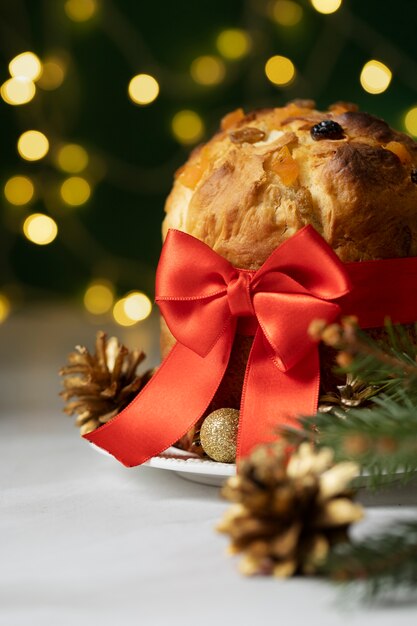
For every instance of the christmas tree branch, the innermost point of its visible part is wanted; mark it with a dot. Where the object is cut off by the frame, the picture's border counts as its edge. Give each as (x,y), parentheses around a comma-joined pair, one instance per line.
(384,563)
(381,436)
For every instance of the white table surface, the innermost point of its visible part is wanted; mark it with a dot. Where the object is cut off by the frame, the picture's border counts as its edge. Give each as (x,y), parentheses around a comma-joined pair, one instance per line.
(85,541)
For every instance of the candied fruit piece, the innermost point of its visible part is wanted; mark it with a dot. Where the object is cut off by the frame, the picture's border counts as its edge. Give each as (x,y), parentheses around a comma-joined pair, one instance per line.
(400,150)
(287,168)
(231,119)
(191,175)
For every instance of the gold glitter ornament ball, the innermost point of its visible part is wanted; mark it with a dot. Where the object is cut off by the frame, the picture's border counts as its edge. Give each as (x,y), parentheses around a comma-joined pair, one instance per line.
(218,435)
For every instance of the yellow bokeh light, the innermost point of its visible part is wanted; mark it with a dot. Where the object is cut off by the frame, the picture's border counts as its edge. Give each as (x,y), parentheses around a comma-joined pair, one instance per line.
(53,73)
(5,307)
(410,121)
(280,70)
(19,190)
(207,70)
(72,158)
(137,306)
(80,10)
(143,89)
(233,43)
(187,126)
(40,229)
(120,316)
(375,77)
(18,90)
(32,145)
(26,65)
(326,6)
(286,12)
(75,191)
(98,298)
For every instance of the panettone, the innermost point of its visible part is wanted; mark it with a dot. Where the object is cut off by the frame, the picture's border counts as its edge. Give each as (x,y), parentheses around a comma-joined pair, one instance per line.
(267,174)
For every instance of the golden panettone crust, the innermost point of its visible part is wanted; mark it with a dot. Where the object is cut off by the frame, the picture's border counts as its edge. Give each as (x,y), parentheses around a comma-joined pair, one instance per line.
(264,176)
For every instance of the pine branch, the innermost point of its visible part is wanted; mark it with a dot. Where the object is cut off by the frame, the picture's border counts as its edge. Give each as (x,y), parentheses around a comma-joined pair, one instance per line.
(388,364)
(383,563)
(381,438)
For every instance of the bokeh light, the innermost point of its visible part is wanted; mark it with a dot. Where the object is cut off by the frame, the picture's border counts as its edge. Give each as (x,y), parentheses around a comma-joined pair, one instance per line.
(208,70)
(5,307)
(99,297)
(80,10)
(280,70)
(53,73)
(137,306)
(26,65)
(233,43)
(19,190)
(75,191)
(375,77)
(18,90)
(143,89)
(40,229)
(410,121)
(326,6)
(187,126)
(120,316)
(286,12)
(72,158)
(32,145)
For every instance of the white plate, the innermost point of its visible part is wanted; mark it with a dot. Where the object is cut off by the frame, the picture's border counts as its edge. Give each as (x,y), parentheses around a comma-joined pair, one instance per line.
(206,472)
(189,466)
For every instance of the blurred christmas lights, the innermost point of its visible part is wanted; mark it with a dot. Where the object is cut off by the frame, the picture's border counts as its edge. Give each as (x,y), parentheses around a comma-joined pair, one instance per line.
(75,191)
(99,297)
(131,309)
(233,43)
(137,306)
(5,307)
(53,73)
(18,90)
(32,145)
(410,121)
(72,158)
(286,12)
(280,70)
(375,77)
(326,6)
(19,190)
(80,10)
(187,127)
(120,316)
(207,70)
(40,229)
(143,89)
(26,65)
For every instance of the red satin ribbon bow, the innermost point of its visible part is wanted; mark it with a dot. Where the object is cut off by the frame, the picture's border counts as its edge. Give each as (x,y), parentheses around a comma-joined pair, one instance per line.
(203,297)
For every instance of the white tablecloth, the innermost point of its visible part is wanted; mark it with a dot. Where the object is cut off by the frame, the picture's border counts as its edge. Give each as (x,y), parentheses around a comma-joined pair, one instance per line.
(85,541)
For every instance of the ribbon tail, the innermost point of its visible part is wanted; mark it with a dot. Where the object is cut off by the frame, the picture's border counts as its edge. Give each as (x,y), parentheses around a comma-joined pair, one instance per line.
(272,398)
(164,411)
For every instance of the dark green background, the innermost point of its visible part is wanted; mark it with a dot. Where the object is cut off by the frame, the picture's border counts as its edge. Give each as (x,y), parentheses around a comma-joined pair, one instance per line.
(117,233)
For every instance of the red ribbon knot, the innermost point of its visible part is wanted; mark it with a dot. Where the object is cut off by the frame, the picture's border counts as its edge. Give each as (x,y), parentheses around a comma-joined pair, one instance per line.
(239,294)
(202,297)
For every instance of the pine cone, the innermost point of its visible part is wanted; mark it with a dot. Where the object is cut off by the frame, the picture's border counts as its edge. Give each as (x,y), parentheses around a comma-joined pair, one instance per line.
(288,513)
(98,386)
